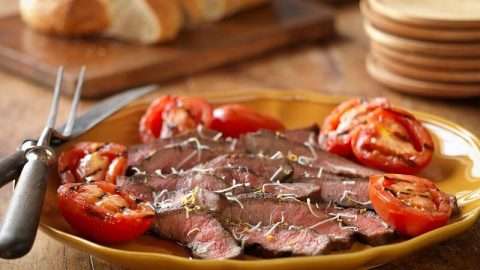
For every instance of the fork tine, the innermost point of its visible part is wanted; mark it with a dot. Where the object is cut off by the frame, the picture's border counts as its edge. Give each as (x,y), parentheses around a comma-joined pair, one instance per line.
(76,98)
(52,115)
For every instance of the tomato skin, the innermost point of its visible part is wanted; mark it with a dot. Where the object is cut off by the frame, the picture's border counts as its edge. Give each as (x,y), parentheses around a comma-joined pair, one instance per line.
(170,115)
(92,161)
(234,120)
(407,145)
(408,220)
(336,131)
(98,224)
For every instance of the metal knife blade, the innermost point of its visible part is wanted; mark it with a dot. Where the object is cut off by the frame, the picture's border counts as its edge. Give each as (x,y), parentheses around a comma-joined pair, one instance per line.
(107,107)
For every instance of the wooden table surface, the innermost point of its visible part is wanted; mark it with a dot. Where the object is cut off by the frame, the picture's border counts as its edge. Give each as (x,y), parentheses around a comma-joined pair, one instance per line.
(333,68)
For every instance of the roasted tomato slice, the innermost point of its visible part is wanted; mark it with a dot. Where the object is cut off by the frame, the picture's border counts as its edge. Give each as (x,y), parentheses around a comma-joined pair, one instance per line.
(393,141)
(102,214)
(170,115)
(235,119)
(92,161)
(335,135)
(410,204)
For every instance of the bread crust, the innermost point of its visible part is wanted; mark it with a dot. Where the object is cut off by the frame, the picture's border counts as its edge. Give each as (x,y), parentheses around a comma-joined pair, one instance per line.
(169,16)
(66,17)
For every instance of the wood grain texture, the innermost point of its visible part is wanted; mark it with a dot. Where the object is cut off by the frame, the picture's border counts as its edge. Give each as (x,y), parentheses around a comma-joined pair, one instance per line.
(114,65)
(336,68)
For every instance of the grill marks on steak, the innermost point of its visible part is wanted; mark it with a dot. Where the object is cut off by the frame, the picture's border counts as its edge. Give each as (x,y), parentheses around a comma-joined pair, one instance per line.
(269,143)
(281,240)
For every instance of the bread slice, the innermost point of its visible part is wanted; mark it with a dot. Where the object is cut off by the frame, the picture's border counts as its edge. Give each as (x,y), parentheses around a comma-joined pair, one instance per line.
(145,21)
(201,11)
(66,17)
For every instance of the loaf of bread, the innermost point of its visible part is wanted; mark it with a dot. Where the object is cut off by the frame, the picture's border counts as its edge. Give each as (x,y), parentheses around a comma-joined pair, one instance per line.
(202,11)
(145,21)
(66,17)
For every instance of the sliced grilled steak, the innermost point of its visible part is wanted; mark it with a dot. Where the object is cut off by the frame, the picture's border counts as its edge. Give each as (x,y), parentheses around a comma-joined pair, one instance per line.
(185,216)
(369,227)
(297,190)
(254,208)
(237,166)
(303,135)
(200,232)
(344,192)
(269,143)
(193,200)
(341,190)
(143,186)
(263,173)
(281,240)
(181,152)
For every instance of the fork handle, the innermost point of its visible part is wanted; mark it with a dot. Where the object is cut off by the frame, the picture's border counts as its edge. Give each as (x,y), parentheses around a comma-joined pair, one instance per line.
(11,166)
(21,220)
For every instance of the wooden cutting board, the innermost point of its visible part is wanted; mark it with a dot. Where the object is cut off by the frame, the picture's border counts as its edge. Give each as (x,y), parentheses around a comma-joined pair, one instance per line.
(113,66)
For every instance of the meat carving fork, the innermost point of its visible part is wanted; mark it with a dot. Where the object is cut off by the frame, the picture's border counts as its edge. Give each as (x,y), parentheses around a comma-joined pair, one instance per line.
(19,228)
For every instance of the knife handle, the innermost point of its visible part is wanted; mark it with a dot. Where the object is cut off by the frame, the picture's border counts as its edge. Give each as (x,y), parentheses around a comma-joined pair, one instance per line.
(11,166)
(21,220)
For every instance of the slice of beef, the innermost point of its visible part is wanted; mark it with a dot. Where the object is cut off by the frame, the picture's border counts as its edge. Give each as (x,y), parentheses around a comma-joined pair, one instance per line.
(193,200)
(270,144)
(341,191)
(297,190)
(185,216)
(181,152)
(237,174)
(200,232)
(281,240)
(346,191)
(240,166)
(265,174)
(303,135)
(368,226)
(254,208)
(146,187)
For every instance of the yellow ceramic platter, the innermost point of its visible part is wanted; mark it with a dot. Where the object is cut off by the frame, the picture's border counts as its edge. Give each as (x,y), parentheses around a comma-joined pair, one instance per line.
(456,167)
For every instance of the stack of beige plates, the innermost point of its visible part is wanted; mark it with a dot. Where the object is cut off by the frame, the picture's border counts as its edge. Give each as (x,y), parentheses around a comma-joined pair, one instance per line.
(425,47)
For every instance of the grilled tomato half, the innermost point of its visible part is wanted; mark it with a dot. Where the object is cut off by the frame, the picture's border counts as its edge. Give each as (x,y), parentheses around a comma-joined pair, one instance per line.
(392,141)
(235,119)
(101,213)
(336,132)
(92,161)
(171,115)
(410,204)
